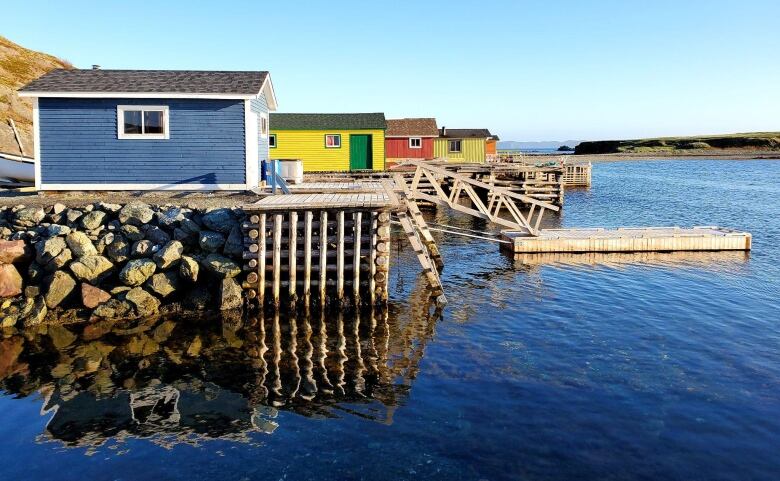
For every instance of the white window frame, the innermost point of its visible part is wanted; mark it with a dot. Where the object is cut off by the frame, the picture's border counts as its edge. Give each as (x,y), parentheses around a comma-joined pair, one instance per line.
(418,139)
(264,129)
(332,146)
(272,136)
(120,122)
(460,144)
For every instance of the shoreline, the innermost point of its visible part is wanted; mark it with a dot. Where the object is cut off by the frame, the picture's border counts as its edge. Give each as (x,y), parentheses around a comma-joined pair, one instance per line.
(718,155)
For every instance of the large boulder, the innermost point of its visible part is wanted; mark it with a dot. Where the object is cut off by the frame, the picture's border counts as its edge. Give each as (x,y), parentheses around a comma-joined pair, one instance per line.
(157,235)
(170,217)
(80,244)
(211,241)
(92,296)
(119,250)
(169,255)
(142,248)
(46,250)
(29,216)
(10,281)
(164,283)
(188,269)
(91,268)
(221,266)
(133,233)
(234,246)
(136,214)
(219,220)
(93,220)
(12,251)
(72,215)
(57,229)
(36,313)
(145,303)
(137,271)
(60,261)
(230,295)
(60,286)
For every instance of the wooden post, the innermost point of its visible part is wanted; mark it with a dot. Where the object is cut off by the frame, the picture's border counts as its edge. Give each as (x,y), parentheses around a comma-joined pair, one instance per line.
(323,254)
(340,255)
(372,258)
(261,261)
(358,219)
(307,221)
(292,247)
(277,260)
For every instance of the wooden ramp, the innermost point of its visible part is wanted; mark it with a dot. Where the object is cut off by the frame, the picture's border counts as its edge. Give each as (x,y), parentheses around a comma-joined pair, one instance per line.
(630,239)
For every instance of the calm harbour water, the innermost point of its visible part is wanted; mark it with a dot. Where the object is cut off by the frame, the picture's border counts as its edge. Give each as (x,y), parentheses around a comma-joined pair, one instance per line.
(647,366)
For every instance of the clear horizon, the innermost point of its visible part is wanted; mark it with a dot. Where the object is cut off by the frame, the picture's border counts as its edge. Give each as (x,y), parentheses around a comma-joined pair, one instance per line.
(528,71)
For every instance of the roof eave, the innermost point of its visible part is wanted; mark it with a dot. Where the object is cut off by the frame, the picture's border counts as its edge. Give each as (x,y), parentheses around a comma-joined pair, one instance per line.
(138,95)
(270,96)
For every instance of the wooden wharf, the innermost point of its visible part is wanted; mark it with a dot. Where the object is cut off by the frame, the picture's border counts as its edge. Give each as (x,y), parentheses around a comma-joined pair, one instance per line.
(330,238)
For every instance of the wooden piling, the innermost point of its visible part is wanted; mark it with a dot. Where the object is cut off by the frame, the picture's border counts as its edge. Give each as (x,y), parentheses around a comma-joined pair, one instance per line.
(292,245)
(340,255)
(358,218)
(277,257)
(307,225)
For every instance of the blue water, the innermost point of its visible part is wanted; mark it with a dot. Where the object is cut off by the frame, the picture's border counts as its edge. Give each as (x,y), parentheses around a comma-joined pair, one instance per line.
(648,366)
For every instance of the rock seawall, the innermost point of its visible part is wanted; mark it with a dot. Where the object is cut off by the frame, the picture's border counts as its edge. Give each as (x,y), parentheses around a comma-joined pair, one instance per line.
(113,261)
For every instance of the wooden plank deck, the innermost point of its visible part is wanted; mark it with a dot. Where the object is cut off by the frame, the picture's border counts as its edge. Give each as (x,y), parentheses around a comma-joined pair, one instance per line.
(630,239)
(314,201)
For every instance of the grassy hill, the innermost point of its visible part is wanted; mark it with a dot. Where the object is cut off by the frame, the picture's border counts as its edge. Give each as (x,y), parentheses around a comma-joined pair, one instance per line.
(19,66)
(754,141)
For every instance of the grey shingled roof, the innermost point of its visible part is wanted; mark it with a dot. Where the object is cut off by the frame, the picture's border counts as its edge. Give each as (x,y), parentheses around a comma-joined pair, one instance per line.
(148,81)
(371,121)
(468,133)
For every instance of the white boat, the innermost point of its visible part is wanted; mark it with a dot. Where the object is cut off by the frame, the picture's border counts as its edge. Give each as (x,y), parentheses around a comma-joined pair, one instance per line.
(17,168)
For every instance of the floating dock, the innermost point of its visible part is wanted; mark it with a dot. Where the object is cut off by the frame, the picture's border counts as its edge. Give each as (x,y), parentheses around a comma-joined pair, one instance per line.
(629,239)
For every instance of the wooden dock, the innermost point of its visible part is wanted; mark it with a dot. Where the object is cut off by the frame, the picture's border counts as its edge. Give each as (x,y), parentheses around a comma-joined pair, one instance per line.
(629,239)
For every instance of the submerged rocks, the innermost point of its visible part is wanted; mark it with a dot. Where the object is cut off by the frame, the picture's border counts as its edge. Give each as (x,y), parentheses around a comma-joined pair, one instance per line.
(60,286)
(137,271)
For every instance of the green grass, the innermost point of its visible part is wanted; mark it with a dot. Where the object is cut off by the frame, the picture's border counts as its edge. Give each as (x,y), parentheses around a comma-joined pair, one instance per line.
(763,141)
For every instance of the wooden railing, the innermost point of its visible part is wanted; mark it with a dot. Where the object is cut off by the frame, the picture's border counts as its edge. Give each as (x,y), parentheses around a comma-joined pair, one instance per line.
(500,199)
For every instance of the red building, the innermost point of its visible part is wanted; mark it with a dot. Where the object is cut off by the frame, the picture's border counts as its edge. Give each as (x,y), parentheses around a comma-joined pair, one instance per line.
(409,139)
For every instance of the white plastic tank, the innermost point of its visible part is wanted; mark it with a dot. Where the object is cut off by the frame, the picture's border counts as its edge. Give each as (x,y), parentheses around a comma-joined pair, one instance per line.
(291,170)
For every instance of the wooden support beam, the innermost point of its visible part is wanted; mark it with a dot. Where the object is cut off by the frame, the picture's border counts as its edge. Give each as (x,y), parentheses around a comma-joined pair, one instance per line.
(307,226)
(261,260)
(323,254)
(277,258)
(358,218)
(340,255)
(292,245)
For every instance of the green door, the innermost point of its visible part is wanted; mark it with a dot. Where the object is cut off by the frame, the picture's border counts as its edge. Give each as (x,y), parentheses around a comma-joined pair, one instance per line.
(359,152)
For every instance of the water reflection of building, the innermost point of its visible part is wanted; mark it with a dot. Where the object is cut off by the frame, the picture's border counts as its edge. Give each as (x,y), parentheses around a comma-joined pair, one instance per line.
(188,381)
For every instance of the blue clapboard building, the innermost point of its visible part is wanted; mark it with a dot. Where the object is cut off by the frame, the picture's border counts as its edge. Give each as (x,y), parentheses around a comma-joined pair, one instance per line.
(150,129)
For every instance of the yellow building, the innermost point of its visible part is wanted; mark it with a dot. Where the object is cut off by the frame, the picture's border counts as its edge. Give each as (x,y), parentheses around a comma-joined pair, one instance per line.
(464,145)
(329,142)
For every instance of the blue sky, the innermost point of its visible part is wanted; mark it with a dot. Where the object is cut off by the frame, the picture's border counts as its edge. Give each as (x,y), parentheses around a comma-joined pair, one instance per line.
(527,70)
